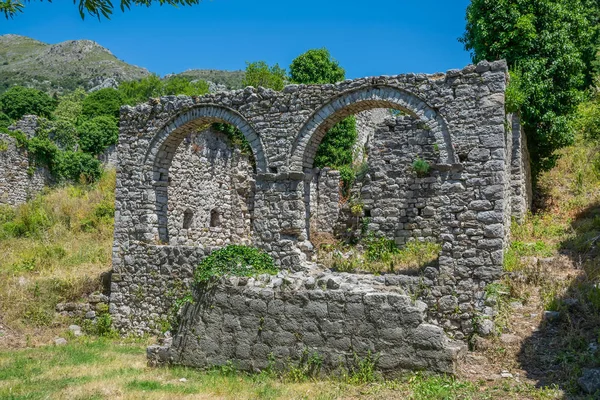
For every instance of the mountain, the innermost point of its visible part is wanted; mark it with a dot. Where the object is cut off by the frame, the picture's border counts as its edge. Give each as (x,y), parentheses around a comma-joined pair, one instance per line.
(62,66)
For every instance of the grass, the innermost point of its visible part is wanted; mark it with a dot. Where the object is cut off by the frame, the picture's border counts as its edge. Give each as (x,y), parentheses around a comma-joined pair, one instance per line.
(378,255)
(53,250)
(553,265)
(107,369)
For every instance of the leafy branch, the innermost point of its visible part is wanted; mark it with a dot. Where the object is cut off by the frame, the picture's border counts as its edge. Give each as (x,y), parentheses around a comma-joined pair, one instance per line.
(95,8)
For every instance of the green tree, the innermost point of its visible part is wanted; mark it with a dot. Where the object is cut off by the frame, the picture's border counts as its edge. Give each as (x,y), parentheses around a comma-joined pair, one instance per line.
(64,134)
(260,74)
(18,101)
(178,85)
(316,66)
(95,8)
(102,102)
(70,106)
(551,44)
(336,147)
(97,134)
(135,92)
(77,166)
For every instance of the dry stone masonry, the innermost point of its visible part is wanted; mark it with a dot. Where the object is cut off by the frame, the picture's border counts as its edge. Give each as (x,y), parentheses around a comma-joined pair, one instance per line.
(455,122)
(211,194)
(18,182)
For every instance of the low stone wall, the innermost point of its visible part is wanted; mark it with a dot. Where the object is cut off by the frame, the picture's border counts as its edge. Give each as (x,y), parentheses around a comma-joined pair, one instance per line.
(336,317)
(145,283)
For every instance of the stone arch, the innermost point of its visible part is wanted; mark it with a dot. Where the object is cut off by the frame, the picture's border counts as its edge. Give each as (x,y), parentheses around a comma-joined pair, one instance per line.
(355,101)
(163,147)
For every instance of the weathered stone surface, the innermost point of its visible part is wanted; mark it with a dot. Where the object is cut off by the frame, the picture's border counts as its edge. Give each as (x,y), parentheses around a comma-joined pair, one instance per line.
(368,321)
(455,123)
(19,183)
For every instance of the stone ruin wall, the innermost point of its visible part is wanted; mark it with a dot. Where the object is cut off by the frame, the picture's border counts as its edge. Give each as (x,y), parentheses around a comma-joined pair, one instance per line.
(520,172)
(399,204)
(366,124)
(17,182)
(211,193)
(461,127)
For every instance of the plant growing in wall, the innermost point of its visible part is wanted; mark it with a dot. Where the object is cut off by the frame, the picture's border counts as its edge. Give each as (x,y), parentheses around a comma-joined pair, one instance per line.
(234,260)
(421,167)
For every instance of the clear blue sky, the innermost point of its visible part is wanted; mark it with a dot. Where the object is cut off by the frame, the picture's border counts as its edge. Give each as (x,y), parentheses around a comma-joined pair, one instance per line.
(376,37)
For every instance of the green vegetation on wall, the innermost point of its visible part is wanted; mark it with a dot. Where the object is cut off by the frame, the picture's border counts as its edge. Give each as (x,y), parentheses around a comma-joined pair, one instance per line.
(234,260)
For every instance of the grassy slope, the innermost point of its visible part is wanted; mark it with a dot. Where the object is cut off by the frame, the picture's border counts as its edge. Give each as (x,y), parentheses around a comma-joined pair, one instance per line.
(53,250)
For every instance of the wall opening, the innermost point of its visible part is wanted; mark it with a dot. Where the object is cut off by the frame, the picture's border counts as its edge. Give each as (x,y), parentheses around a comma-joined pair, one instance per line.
(381,204)
(188,219)
(194,149)
(215,218)
(213,180)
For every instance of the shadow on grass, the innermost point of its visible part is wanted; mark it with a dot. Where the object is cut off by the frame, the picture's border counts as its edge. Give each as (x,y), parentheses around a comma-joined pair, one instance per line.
(567,340)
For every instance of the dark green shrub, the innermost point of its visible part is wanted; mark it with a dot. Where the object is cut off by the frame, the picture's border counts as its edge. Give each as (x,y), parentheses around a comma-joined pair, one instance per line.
(77,166)
(5,120)
(64,134)
(336,148)
(18,101)
(44,152)
(421,167)
(97,134)
(103,102)
(316,66)
(234,260)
